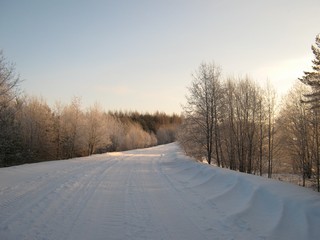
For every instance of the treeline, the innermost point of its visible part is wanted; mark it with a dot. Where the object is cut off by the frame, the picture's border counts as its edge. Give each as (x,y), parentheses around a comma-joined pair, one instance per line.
(162,125)
(230,122)
(237,124)
(40,133)
(32,131)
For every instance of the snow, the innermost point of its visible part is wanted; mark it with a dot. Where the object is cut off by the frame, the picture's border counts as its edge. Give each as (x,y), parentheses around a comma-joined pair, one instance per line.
(155,193)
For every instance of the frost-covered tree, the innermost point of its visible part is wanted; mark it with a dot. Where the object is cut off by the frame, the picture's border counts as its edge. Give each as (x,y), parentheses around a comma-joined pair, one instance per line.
(296,119)
(10,144)
(202,109)
(36,121)
(246,117)
(9,82)
(72,125)
(166,134)
(270,98)
(95,129)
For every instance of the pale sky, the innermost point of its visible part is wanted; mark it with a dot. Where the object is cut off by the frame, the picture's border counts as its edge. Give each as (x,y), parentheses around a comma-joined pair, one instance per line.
(139,55)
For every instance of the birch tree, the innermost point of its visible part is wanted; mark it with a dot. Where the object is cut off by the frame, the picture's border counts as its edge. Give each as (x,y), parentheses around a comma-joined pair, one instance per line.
(245,115)
(202,108)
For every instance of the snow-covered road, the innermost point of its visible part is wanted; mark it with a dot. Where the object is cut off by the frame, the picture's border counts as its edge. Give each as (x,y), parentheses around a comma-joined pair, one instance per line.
(154,193)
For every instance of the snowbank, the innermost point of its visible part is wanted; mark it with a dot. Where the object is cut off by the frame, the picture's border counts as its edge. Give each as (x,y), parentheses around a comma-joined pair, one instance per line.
(250,206)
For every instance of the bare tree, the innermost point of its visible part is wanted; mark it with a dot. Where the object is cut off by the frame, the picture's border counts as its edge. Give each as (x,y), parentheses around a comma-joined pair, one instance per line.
(202,108)
(9,82)
(10,144)
(296,118)
(230,130)
(270,105)
(57,129)
(245,122)
(261,133)
(191,138)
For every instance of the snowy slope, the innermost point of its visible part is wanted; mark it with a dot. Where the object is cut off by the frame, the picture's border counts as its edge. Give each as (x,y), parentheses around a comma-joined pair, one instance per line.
(155,193)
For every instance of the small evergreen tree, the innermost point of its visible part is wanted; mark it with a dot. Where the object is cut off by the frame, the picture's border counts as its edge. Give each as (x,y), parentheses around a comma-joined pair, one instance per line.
(312,79)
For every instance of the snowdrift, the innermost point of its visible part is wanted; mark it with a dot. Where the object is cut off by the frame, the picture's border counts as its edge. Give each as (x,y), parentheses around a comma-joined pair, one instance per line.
(264,208)
(155,193)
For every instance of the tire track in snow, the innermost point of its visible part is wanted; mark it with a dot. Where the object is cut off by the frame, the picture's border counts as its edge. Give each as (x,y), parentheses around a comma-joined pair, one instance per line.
(140,222)
(155,209)
(81,223)
(26,193)
(44,208)
(104,211)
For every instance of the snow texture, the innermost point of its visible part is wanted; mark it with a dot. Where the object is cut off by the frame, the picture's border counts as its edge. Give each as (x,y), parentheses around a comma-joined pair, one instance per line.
(155,193)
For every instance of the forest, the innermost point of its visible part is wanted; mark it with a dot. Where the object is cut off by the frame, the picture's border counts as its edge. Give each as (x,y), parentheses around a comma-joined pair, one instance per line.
(238,124)
(32,131)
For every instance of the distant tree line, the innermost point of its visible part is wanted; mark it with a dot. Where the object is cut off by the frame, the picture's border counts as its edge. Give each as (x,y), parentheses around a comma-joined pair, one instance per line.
(237,124)
(32,131)
(160,124)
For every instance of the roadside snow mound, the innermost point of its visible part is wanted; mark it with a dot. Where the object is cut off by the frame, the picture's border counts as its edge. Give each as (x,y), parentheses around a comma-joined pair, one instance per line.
(155,193)
(261,207)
